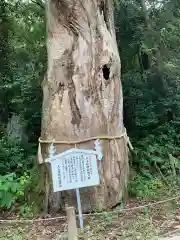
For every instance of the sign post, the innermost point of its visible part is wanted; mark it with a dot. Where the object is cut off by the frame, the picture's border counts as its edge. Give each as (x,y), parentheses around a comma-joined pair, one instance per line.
(73,169)
(79,208)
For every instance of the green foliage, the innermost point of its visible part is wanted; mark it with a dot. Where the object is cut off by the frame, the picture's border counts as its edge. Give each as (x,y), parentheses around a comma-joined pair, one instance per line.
(154,150)
(23,63)
(34,188)
(26,210)
(154,161)
(151,81)
(143,186)
(20,193)
(11,189)
(149,50)
(13,157)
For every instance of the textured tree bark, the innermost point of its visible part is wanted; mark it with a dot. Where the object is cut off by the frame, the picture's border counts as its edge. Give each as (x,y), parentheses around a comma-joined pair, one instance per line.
(83,94)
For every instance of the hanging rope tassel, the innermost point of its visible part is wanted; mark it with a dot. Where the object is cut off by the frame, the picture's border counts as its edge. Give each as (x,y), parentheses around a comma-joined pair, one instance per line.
(40,158)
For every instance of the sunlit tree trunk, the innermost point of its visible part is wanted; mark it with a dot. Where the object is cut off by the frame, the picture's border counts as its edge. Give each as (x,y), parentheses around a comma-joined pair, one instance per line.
(83,94)
(145,13)
(4,61)
(156,54)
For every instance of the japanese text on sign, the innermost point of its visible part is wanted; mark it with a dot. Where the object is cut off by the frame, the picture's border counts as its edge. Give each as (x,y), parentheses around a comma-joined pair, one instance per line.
(76,168)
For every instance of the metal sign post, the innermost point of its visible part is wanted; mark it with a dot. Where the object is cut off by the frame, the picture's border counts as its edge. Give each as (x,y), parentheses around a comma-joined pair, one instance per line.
(81,222)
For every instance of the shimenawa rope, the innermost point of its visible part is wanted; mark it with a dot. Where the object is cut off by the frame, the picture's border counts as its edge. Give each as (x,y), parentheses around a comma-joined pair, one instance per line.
(40,158)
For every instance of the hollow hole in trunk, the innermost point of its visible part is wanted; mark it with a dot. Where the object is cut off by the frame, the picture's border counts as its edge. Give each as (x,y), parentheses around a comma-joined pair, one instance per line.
(106,72)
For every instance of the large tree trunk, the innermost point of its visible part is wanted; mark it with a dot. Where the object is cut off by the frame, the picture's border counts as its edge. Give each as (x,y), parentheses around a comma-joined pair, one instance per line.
(83,94)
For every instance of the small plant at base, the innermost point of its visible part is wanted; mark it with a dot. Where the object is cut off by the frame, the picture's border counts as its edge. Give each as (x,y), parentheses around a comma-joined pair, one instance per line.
(142,187)
(11,189)
(9,186)
(145,211)
(26,210)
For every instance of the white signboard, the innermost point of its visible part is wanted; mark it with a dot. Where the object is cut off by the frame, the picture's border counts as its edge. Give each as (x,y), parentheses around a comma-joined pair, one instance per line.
(75,168)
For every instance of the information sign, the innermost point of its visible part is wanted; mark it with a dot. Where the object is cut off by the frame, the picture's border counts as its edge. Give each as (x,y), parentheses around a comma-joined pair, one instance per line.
(73,169)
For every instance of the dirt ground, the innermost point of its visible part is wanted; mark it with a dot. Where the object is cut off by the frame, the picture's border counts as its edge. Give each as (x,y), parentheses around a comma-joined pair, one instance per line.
(147,224)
